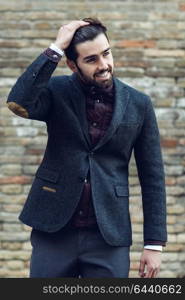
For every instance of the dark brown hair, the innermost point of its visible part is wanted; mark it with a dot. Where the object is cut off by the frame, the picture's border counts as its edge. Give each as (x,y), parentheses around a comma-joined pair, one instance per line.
(83,34)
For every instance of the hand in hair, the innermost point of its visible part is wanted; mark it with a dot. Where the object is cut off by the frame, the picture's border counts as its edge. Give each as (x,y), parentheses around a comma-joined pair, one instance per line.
(66,32)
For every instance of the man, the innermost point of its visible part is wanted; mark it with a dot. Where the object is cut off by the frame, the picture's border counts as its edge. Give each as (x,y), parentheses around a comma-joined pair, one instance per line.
(78,205)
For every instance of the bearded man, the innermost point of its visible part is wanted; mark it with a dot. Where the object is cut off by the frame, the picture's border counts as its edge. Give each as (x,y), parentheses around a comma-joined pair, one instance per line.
(78,204)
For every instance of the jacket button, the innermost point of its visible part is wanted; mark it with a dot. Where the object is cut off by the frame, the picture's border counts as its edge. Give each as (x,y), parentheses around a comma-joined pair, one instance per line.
(34,75)
(82,179)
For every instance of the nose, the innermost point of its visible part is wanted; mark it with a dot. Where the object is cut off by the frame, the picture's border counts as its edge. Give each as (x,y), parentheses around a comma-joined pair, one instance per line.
(102,65)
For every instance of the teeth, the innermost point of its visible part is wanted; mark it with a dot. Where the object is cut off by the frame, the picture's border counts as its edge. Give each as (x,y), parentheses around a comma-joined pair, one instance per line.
(104,74)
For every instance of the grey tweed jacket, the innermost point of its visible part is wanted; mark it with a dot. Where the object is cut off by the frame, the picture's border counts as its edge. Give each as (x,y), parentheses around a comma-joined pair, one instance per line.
(59,179)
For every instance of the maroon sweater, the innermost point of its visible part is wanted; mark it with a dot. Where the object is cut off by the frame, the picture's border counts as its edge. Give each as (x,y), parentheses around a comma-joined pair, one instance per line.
(99,108)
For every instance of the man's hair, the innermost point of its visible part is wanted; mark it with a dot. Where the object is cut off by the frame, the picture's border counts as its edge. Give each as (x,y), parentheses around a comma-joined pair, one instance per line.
(83,34)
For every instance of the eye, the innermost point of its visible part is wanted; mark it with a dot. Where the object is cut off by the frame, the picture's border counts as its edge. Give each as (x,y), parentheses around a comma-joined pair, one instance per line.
(106,53)
(91,60)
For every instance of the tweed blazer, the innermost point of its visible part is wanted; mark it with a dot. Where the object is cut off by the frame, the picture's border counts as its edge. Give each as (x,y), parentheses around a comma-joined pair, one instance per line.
(57,185)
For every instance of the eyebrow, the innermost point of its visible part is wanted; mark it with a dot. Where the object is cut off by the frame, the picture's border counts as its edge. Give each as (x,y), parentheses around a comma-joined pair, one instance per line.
(94,55)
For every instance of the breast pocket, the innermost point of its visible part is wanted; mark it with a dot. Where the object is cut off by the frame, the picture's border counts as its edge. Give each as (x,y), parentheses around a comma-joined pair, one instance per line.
(48,175)
(130,126)
(125,135)
(122,190)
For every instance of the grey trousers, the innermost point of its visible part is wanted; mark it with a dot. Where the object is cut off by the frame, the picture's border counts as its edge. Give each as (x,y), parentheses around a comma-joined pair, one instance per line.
(76,252)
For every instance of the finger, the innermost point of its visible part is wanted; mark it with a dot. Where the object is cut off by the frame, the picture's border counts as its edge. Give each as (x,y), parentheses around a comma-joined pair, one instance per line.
(141,268)
(77,24)
(149,272)
(153,273)
(84,22)
(156,272)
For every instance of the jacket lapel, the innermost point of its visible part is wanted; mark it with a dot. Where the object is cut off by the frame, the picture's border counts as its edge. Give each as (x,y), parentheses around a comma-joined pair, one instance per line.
(120,104)
(79,103)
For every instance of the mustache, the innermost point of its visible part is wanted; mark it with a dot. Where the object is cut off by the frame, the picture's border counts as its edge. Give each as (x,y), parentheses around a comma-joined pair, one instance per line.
(102,71)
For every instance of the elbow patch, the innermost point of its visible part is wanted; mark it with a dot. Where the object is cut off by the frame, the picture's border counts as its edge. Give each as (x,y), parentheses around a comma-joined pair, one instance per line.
(18,109)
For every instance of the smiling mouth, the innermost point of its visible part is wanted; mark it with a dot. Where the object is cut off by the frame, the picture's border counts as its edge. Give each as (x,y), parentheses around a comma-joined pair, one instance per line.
(102,74)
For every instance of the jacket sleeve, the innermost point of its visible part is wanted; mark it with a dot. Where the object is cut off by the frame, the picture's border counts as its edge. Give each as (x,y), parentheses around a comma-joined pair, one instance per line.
(148,156)
(30,96)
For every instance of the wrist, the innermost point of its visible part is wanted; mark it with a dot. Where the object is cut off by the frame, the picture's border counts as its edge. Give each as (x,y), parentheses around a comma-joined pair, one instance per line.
(55,47)
(153,247)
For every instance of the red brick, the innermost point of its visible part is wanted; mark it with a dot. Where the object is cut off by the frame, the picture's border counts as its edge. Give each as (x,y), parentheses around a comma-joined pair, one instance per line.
(134,265)
(169,143)
(16,180)
(170,181)
(34,151)
(43,26)
(182,7)
(129,63)
(135,44)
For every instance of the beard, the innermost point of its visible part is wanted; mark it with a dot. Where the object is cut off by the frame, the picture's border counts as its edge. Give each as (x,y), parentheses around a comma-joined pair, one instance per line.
(103,84)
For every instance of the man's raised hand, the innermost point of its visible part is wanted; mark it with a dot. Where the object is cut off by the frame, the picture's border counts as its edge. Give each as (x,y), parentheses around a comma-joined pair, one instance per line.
(66,32)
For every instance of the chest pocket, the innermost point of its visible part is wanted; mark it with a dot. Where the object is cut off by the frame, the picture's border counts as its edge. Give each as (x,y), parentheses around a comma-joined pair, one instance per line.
(48,175)
(122,190)
(126,134)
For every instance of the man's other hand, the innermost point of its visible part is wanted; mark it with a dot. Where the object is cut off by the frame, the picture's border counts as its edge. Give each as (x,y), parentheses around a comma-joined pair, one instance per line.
(150,263)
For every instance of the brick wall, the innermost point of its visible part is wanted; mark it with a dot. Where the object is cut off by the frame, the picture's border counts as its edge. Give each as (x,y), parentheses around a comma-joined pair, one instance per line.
(148,42)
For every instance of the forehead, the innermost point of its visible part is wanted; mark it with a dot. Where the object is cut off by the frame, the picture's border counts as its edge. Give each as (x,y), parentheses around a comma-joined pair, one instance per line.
(94,47)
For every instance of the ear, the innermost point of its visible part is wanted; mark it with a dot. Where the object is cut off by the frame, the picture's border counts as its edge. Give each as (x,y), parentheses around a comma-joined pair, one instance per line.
(71,64)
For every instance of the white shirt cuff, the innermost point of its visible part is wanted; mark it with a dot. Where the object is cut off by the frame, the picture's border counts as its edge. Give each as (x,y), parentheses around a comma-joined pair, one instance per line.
(56,49)
(154,247)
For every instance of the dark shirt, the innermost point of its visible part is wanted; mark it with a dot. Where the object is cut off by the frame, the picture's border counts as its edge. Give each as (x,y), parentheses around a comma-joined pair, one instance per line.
(99,109)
